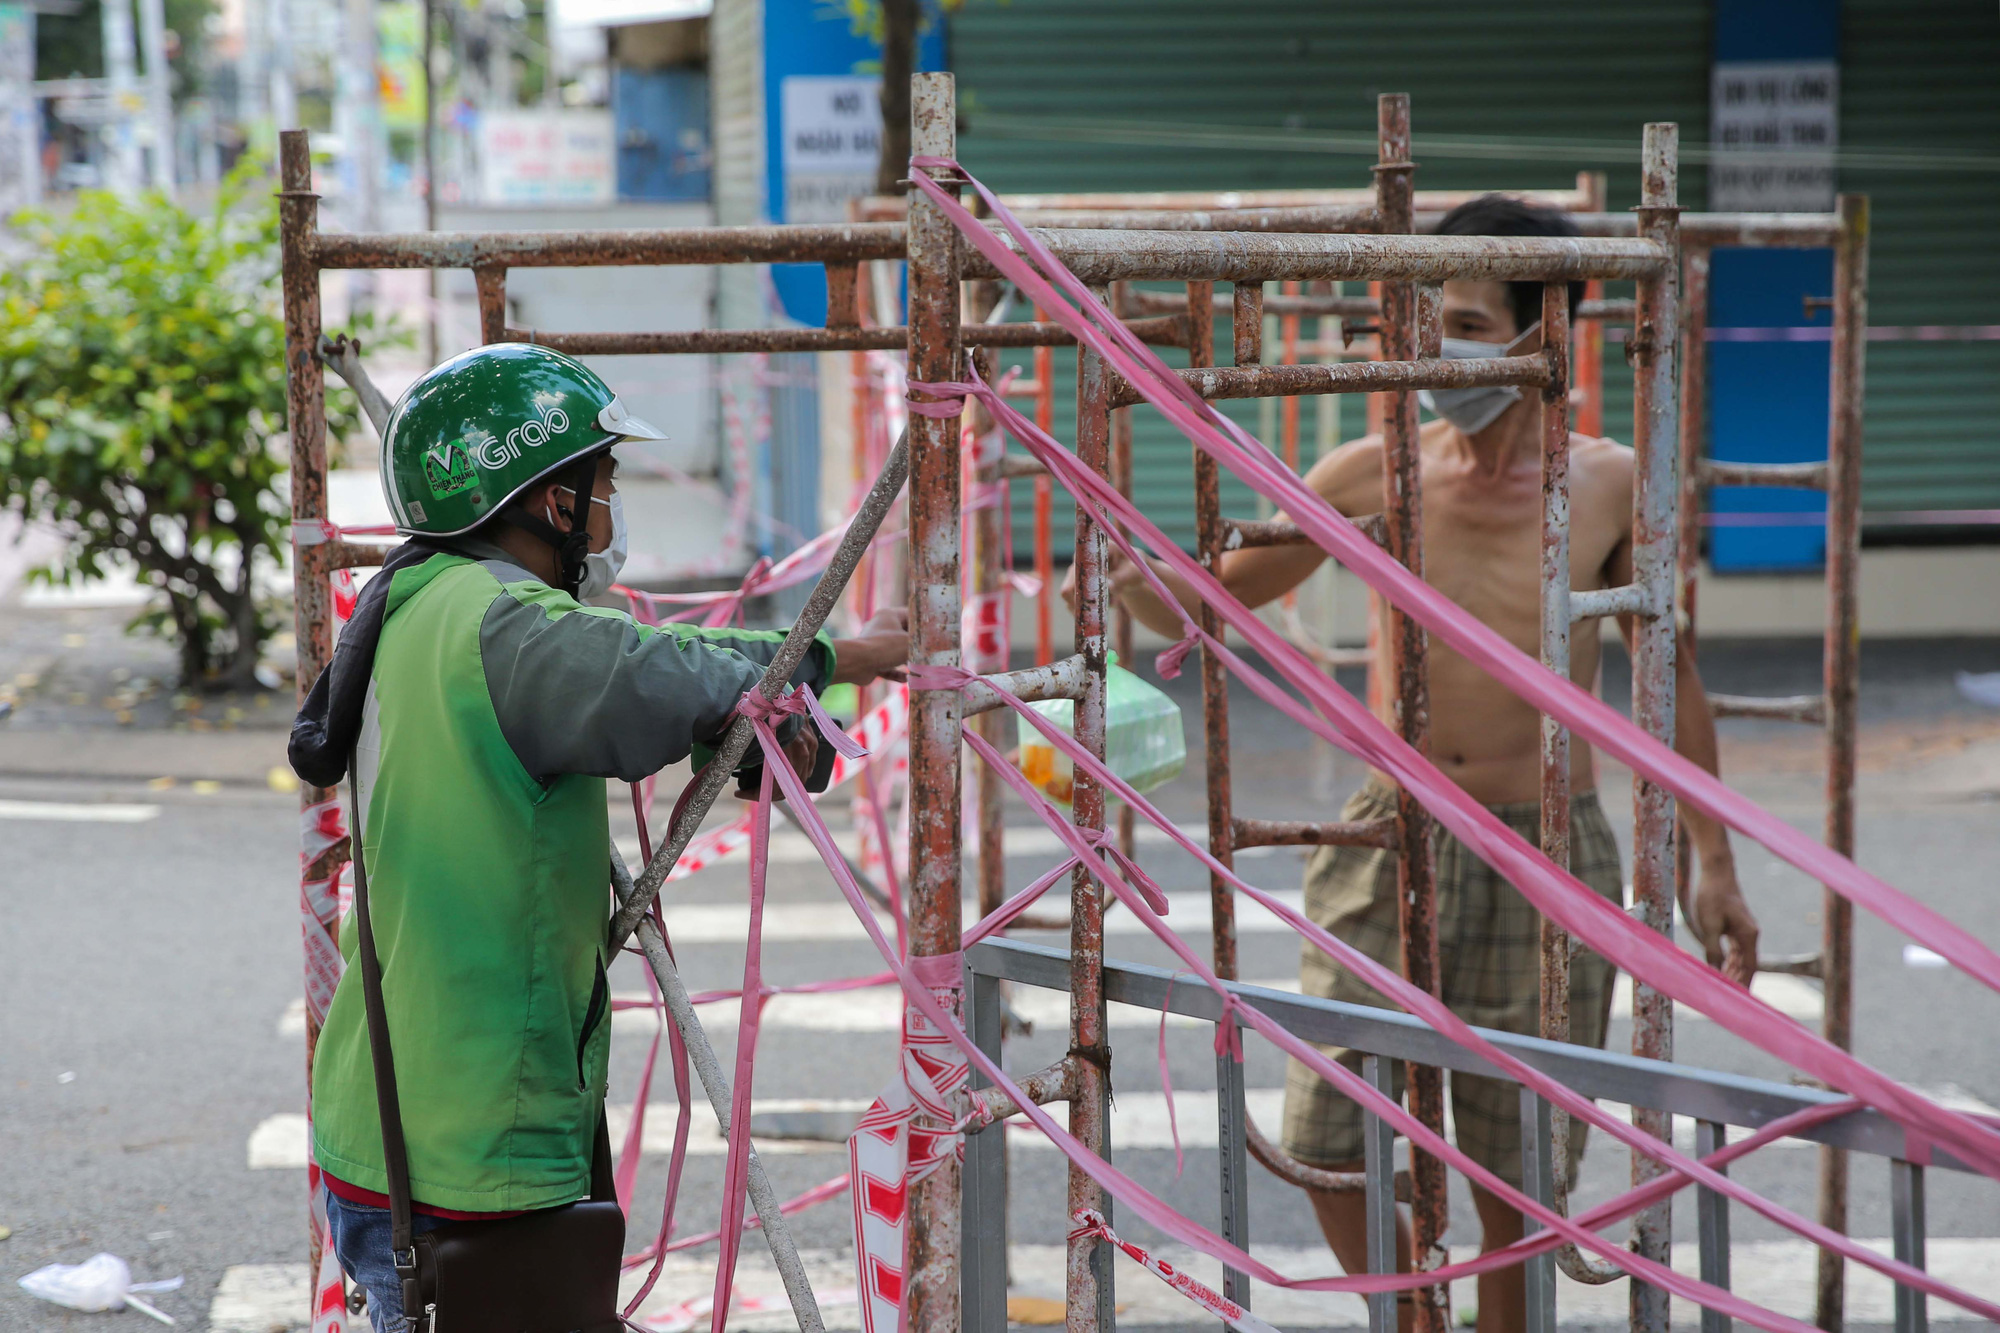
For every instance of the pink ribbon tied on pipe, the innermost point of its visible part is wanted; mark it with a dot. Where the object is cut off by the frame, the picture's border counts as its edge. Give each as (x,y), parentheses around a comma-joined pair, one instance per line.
(800,702)
(1344,722)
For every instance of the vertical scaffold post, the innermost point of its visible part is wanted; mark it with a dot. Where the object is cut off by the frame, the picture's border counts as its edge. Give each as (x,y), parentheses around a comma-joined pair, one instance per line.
(988,583)
(1843,670)
(1589,369)
(1214,675)
(1121,617)
(1416,892)
(1656,446)
(312,595)
(935,715)
(1088,1302)
(1555,571)
(1695,268)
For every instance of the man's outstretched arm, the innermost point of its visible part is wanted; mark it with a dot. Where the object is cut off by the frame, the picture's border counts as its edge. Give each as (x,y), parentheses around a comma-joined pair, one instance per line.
(1349,478)
(1719,914)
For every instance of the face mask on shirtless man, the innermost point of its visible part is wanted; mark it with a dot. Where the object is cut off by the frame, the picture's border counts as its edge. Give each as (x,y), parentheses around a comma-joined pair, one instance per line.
(1481,470)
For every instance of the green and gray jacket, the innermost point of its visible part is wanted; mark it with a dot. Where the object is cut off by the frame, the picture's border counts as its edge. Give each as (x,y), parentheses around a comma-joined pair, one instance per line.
(492,712)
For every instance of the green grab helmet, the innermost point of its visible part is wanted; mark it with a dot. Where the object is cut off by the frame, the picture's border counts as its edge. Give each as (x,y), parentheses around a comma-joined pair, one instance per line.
(475,431)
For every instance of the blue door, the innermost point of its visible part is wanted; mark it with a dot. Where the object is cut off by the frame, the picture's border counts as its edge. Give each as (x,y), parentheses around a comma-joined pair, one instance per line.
(661,117)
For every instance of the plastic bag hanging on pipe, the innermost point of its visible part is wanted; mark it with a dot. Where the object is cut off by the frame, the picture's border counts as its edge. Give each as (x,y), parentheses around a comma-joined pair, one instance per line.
(1144,743)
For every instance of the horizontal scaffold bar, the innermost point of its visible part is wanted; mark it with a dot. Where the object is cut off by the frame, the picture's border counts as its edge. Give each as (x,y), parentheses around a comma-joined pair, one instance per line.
(843,243)
(1166,330)
(1703,230)
(1217,382)
(1226,256)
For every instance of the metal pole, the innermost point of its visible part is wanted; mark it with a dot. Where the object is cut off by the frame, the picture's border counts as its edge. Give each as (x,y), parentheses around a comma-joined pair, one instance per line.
(1655,442)
(1556,945)
(1088,1302)
(358,115)
(1045,565)
(1416,889)
(121,76)
(1590,335)
(305,410)
(935,715)
(159,93)
(988,582)
(1214,675)
(1693,489)
(432,350)
(1843,669)
(763,1198)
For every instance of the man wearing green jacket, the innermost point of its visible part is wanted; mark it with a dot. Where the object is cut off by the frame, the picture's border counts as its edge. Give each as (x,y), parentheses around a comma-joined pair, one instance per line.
(483,703)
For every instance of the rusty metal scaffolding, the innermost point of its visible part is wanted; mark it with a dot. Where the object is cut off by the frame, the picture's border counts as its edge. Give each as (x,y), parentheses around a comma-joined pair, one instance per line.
(1199,240)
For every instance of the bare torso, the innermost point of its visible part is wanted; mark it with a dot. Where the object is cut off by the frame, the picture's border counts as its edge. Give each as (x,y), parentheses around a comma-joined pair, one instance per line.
(1482,543)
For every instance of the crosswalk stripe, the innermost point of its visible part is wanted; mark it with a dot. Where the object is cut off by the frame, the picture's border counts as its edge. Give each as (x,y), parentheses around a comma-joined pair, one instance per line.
(878,1009)
(1139,1122)
(68,812)
(1780,1274)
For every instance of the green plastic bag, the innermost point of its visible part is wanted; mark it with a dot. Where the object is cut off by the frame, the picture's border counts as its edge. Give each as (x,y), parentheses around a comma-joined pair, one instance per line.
(1143,742)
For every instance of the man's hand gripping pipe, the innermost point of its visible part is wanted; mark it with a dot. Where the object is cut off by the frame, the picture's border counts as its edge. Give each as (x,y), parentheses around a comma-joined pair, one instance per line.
(342,355)
(708,784)
(777,1231)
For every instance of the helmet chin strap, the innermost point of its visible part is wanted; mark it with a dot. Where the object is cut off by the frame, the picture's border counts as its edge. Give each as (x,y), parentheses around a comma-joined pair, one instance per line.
(570,547)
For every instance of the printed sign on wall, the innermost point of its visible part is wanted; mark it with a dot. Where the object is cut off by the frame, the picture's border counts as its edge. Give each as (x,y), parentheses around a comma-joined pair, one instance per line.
(534,156)
(833,139)
(1774,126)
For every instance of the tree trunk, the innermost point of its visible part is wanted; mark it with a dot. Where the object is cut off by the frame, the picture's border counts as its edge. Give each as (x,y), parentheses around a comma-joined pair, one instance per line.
(900,20)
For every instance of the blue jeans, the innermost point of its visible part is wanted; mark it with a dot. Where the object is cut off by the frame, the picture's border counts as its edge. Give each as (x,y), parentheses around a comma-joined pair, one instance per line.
(361,1242)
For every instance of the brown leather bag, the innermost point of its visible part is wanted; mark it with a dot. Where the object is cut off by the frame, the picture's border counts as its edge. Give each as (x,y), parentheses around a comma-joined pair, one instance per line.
(554,1270)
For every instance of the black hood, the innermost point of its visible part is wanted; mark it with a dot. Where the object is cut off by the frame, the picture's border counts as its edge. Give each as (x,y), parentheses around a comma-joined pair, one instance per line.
(329,722)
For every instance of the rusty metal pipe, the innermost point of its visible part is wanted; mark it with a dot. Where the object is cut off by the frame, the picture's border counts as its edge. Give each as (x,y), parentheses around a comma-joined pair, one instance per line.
(1066,678)
(1088,1284)
(1239,534)
(1302,218)
(1402,505)
(935,893)
(1629,599)
(305,411)
(1194,256)
(1164,303)
(1843,669)
(1223,382)
(841,243)
(1312,833)
(1702,231)
(986,1106)
(1162,332)
(1784,708)
(1656,446)
(1423,201)
(1795,476)
(1558,614)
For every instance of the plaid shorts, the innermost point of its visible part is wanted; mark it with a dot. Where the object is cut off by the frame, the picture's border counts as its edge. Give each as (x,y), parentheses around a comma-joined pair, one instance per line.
(1489,955)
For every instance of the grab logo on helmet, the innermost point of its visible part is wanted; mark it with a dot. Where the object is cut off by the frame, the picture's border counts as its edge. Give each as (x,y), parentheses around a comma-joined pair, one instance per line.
(549,420)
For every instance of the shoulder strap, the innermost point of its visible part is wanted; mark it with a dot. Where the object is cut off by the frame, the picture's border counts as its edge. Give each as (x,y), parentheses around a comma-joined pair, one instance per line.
(395,1155)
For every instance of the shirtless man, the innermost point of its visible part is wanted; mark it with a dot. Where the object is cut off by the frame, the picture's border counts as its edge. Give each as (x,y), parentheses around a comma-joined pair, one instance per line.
(1482,524)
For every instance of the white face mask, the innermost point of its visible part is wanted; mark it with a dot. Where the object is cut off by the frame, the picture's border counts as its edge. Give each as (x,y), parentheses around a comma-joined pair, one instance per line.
(600,568)
(1473,410)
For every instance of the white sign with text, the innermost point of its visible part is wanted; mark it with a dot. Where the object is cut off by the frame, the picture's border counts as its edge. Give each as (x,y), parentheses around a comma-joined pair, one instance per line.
(832,138)
(1774,127)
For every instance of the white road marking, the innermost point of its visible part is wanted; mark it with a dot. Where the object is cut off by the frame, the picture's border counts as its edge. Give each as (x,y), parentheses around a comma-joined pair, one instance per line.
(878,1009)
(71,812)
(1779,1274)
(1795,997)
(1138,1121)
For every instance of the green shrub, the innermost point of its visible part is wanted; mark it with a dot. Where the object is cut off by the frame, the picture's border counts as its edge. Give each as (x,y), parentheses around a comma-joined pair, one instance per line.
(142,407)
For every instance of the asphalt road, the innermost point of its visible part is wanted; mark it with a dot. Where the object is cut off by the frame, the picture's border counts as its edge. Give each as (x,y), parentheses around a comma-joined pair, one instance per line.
(149,961)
